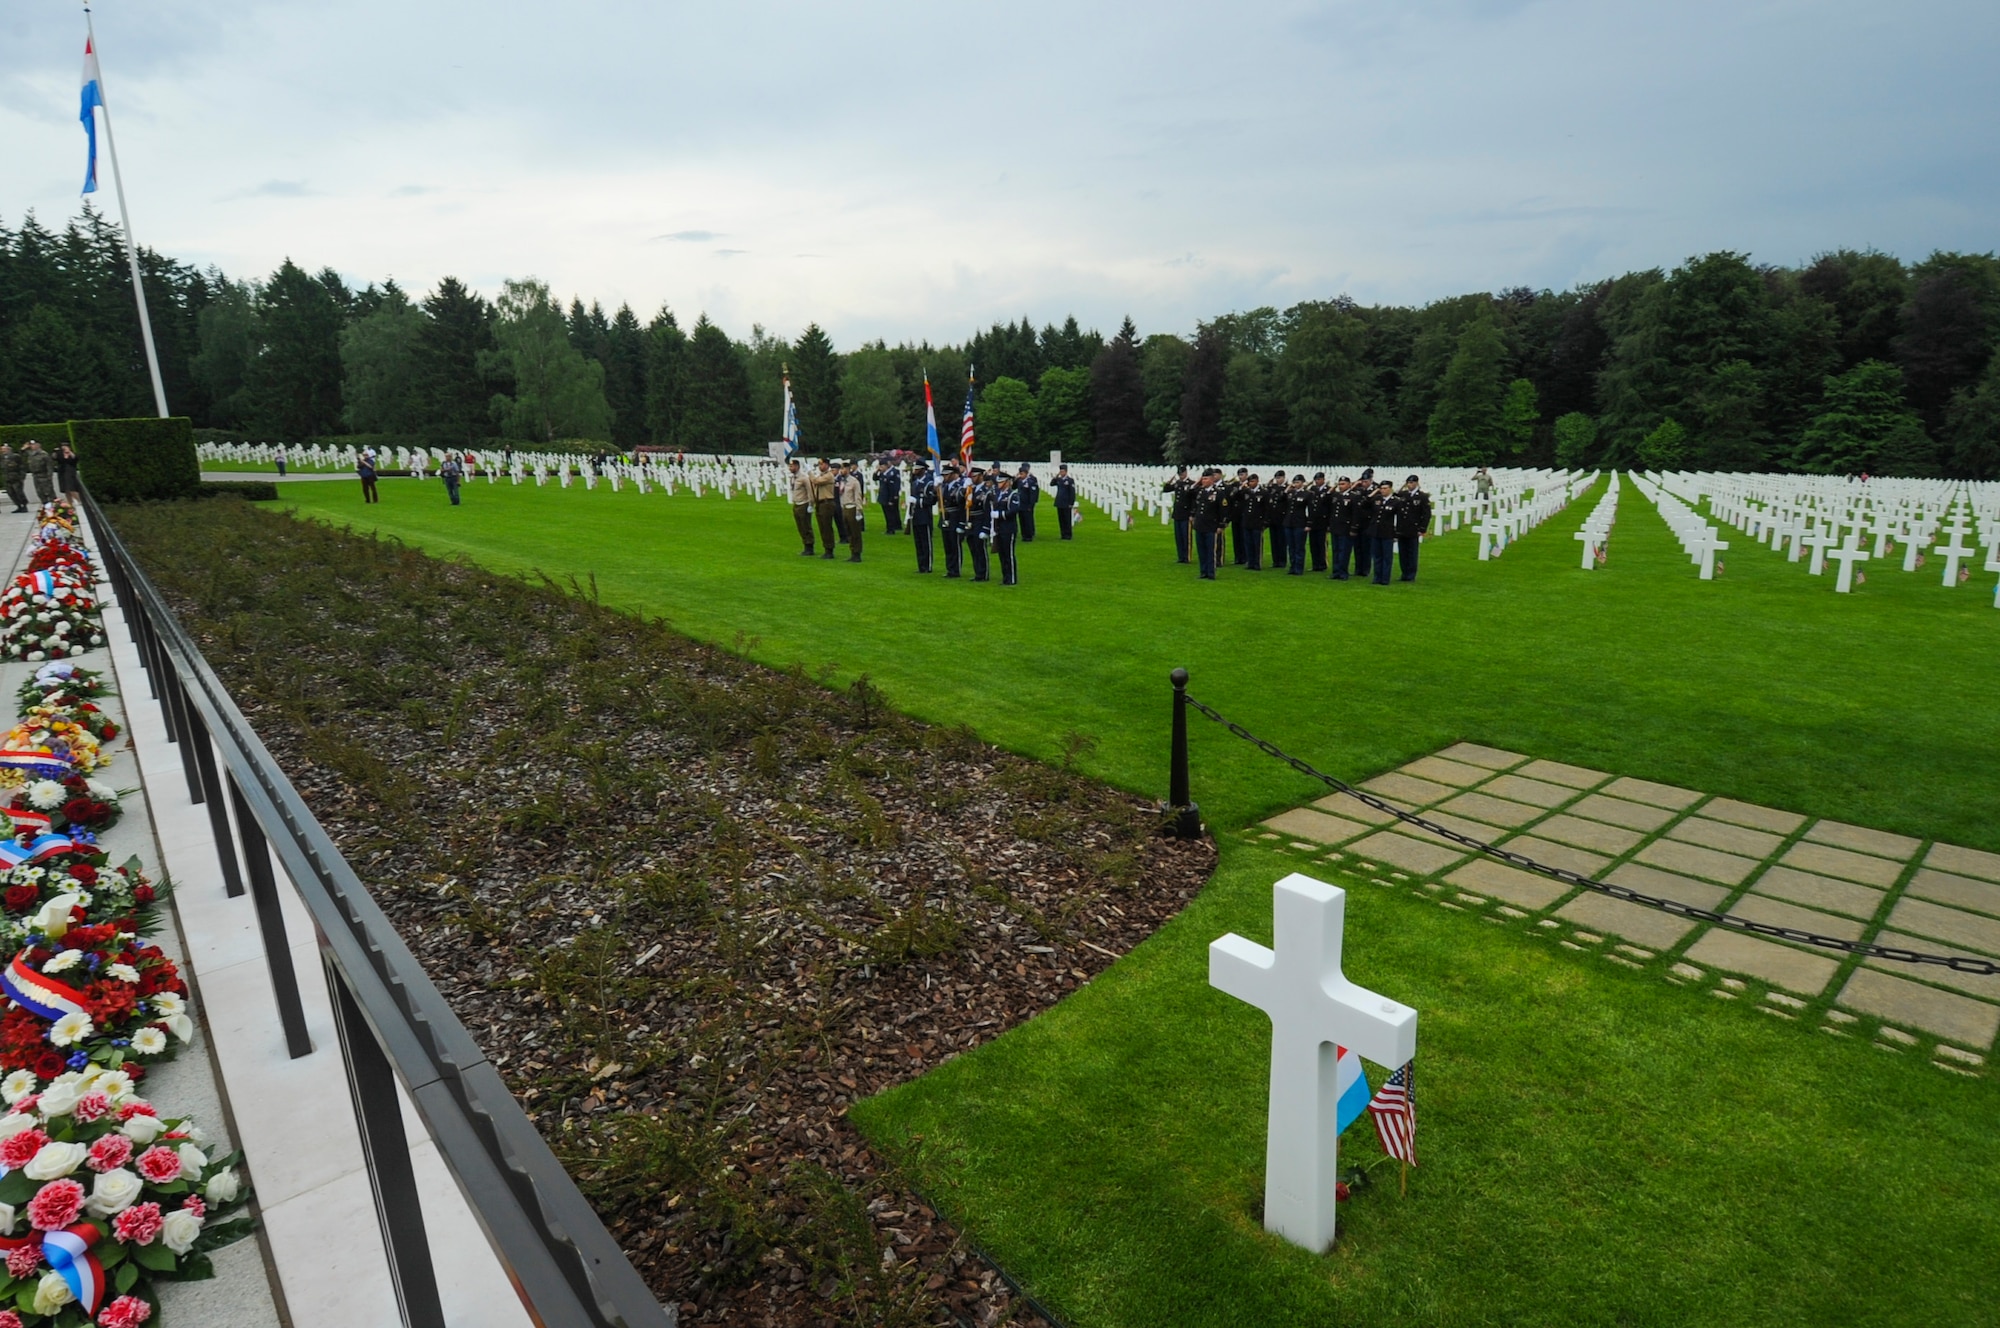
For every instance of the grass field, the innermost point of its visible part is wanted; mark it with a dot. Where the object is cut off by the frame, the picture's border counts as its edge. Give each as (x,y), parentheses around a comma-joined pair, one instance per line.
(1600,1147)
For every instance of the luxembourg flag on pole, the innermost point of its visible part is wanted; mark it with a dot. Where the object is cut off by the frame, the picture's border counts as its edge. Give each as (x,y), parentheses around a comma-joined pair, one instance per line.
(791,419)
(1351,1087)
(93,97)
(930,428)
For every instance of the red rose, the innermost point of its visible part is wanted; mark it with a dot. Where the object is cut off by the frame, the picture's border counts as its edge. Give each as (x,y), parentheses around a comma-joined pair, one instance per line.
(110,732)
(21,898)
(144,894)
(50,1064)
(84,872)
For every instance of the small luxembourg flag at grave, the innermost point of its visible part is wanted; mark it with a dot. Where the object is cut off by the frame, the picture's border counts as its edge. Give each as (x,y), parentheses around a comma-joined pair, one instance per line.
(1351,1085)
(92,99)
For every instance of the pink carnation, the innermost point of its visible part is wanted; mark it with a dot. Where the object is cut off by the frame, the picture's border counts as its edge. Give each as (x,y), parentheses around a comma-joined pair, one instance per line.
(55,1205)
(23,1260)
(20,1149)
(195,1205)
(113,1150)
(136,1108)
(138,1224)
(124,1312)
(26,1104)
(91,1106)
(9,1319)
(159,1165)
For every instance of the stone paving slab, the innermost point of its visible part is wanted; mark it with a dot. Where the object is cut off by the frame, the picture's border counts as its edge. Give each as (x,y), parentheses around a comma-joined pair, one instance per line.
(1493,811)
(1551,854)
(1947,924)
(1863,840)
(1751,815)
(1986,986)
(1827,861)
(1305,823)
(1486,834)
(1856,901)
(1694,860)
(1353,809)
(1778,913)
(1668,885)
(1728,838)
(1490,757)
(1964,861)
(1421,792)
(1422,856)
(1944,1013)
(1656,795)
(1796,971)
(1517,887)
(1646,926)
(1441,771)
(1531,791)
(1569,776)
(1958,891)
(1612,839)
(1617,811)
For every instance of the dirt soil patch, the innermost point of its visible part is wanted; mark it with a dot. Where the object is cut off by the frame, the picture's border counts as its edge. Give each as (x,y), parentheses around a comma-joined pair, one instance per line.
(692,908)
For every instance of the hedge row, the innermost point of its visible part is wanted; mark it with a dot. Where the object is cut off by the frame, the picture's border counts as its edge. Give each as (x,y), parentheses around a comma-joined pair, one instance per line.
(122,460)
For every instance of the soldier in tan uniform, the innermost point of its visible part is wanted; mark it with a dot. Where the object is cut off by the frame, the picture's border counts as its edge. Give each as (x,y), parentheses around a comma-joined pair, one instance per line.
(821,484)
(802,505)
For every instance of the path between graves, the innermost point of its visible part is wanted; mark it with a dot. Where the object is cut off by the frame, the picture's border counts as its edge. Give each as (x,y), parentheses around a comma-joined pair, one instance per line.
(1759,863)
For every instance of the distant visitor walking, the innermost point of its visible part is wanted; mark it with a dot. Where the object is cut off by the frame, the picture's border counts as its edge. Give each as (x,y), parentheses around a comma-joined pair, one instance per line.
(452,472)
(66,474)
(365,468)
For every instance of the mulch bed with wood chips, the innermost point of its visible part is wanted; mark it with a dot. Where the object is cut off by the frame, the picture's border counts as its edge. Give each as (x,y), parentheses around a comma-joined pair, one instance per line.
(690,907)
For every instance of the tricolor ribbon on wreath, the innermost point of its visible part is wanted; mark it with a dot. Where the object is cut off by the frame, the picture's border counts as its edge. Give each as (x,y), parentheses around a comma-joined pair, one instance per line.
(25,819)
(38,993)
(31,758)
(13,853)
(69,1253)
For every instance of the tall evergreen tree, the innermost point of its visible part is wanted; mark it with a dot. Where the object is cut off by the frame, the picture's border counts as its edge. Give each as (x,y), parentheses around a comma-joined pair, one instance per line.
(1325,382)
(625,379)
(666,379)
(1863,425)
(380,389)
(716,415)
(453,381)
(1201,394)
(1163,361)
(50,374)
(293,384)
(1465,426)
(816,389)
(1118,401)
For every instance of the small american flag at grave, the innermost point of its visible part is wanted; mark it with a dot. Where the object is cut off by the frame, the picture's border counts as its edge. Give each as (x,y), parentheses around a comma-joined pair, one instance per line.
(1394,1111)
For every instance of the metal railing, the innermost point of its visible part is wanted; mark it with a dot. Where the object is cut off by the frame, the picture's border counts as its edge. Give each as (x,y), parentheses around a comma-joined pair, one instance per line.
(392,1023)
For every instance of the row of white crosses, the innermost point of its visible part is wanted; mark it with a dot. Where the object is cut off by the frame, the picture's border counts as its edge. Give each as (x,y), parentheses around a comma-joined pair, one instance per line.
(1694,532)
(1850,521)
(1532,498)
(1596,532)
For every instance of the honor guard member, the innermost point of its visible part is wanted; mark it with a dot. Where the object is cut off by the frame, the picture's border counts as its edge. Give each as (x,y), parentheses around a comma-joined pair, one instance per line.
(1238,510)
(1208,513)
(1361,522)
(853,506)
(978,520)
(1065,490)
(1029,490)
(1009,505)
(1182,488)
(951,516)
(1343,542)
(1250,497)
(1274,517)
(923,513)
(1319,516)
(802,504)
(1383,528)
(1413,518)
(826,503)
(889,494)
(1298,511)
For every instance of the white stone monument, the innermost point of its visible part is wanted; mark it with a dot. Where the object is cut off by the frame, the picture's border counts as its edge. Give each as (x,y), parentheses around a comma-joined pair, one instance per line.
(1313,1009)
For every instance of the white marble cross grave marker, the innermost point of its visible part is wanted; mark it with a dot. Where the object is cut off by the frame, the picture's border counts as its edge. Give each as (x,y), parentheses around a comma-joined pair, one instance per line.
(1313,1009)
(1704,547)
(1954,553)
(1847,555)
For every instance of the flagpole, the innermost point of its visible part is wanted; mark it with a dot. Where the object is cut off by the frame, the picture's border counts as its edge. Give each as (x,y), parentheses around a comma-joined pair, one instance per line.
(125,220)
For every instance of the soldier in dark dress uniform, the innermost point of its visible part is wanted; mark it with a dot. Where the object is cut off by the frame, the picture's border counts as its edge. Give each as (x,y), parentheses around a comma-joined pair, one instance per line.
(1383,530)
(952,518)
(1413,518)
(923,513)
(1251,496)
(1209,513)
(889,493)
(1182,488)
(1298,510)
(978,520)
(1028,490)
(1238,510)
(1065,491)
(1274,517)
(1319,516)
(1009,503)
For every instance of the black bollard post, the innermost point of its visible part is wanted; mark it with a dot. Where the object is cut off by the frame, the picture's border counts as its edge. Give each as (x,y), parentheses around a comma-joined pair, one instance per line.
(1187,816)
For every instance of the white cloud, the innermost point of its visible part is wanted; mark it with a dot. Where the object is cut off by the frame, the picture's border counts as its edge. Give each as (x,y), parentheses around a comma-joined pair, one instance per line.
(897,170)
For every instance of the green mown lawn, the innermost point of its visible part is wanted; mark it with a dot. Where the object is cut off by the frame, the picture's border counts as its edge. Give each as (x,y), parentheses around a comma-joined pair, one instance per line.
(1600,1147)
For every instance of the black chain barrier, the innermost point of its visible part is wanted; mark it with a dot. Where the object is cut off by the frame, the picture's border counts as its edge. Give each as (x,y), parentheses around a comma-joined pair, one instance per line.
(1983,967)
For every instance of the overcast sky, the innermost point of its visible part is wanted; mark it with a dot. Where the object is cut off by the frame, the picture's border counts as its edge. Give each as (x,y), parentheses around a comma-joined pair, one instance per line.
(906,170)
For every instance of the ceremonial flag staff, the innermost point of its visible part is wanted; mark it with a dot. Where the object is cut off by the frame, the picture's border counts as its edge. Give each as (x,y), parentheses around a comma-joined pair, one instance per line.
(93,101)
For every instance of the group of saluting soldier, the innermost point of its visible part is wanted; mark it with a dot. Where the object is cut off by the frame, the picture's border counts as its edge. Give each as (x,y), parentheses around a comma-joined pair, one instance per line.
(983,514)
(1372,525)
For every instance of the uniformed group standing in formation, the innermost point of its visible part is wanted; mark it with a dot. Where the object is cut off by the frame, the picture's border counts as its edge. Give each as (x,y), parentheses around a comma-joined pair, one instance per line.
(984,515)
(1372,524)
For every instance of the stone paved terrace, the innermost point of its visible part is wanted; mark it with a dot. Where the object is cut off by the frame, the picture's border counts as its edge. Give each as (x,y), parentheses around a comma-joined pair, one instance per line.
(1760,863)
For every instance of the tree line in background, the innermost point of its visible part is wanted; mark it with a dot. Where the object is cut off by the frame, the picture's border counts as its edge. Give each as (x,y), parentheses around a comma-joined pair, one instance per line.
(1856,362)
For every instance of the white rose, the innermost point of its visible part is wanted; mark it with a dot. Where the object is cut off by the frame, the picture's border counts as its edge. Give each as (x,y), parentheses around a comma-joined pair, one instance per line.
(66,959)
(101,791)
(51,1294)
(224,1187)
(6,1219)
(55,1159)
(114,1192)
(142,1130)
(18,1085)
(59,1098)
(70,1029)
(14,1122)
(180,1230)
(192,1161)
